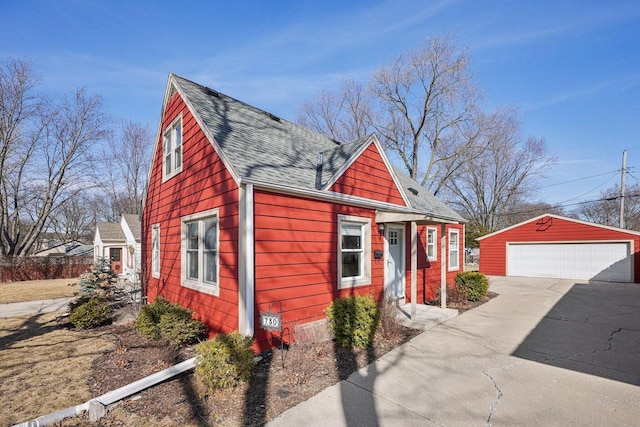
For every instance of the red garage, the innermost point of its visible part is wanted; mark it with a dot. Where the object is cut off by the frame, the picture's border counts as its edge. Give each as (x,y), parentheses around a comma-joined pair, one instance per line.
(555,246)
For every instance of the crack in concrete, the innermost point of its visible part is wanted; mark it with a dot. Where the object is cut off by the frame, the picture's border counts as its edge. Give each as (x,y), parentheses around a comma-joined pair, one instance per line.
(495,402)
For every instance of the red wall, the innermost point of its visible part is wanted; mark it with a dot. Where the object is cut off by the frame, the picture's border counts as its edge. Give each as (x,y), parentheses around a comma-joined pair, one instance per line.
(204,183)
(493,249)
(369,177)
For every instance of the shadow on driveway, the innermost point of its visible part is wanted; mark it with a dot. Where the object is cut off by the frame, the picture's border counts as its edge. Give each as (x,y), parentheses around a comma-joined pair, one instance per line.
(594,328)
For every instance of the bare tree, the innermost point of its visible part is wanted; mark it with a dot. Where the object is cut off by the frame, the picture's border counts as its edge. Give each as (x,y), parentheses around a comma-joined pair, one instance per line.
(75,219)
(344,116)
(492,185)
(606,210)
(425,107)
(45,151)
(129,156)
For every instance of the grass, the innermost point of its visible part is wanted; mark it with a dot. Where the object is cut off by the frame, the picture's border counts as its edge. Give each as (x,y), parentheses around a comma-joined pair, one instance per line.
(44,367)
(36,290)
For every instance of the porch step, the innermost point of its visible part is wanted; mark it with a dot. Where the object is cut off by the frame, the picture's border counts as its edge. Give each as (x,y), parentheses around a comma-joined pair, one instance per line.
(427,316)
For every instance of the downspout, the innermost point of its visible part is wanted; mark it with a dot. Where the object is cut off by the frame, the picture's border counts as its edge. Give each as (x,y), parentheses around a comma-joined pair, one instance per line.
(246,261)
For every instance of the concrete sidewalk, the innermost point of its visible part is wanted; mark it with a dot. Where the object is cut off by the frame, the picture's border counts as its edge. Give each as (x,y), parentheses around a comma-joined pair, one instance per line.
(34,307)
(544,352)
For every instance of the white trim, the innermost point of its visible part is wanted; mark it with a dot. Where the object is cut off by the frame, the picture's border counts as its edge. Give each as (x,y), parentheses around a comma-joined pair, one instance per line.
(577,221)
(365,277)
(199,285)
(155,273)
(457,258)
(246,261)
(434,244)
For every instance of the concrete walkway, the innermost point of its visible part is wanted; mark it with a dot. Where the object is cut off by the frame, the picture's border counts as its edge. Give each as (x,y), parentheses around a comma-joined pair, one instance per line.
(543,353)
(34,307)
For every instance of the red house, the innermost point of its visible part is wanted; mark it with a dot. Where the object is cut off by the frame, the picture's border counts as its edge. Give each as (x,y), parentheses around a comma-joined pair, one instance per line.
(246,212)
(555,246)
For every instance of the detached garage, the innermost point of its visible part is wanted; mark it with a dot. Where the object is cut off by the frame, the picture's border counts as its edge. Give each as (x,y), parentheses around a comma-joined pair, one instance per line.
(559,247)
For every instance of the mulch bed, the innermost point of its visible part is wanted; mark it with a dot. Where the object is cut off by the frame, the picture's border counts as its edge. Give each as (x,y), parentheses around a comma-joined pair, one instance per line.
(308,369)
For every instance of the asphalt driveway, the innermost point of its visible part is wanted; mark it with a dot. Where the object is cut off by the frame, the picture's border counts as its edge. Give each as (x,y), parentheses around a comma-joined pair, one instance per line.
(544,352)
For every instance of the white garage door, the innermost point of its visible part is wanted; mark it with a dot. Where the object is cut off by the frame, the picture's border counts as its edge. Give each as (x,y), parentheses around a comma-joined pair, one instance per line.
(596,261)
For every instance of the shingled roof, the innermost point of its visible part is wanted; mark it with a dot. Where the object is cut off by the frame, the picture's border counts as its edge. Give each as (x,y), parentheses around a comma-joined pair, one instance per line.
(259,146)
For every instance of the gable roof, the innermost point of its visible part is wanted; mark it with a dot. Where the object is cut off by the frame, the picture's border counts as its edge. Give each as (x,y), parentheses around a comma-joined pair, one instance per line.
(133,222)
(110,231)
(259,147)
(564,218)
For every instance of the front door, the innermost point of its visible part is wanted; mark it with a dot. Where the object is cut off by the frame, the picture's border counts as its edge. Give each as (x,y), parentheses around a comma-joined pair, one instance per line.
(115,255)
(395,266)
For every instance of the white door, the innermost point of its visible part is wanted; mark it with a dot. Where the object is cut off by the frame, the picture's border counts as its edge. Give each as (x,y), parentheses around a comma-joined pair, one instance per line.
(609,261)
(395,267)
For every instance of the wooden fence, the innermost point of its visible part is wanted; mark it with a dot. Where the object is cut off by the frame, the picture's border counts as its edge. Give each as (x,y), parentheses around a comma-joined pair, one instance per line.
(39,268)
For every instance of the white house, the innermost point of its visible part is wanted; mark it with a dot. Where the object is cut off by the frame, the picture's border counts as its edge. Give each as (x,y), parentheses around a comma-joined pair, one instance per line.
(120,242)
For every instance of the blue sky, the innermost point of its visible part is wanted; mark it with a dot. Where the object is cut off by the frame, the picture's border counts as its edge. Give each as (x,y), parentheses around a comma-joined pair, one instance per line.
(572,66)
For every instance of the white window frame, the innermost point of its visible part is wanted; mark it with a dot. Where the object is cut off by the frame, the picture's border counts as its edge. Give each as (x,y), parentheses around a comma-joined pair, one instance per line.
(199,284)
(433,246)
(172,143)
(454,261)
(155,250)
(365,260)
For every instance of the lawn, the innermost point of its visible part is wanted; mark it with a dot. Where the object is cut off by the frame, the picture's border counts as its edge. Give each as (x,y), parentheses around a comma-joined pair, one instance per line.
(44,367)
(36,289)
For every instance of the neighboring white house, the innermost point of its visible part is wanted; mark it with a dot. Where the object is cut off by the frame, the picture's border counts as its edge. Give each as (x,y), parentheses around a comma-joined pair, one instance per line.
(120,242)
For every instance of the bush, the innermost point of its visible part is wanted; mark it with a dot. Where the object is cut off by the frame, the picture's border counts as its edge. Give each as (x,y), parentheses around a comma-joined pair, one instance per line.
(475,285)
(353,320)
(163,320)
(390,326)
(224,362)
(90,313)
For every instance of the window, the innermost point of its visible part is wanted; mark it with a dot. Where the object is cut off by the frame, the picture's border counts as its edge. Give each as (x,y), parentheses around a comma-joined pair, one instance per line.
(172,149)
(432,243)
(155,250)
(454,249)
(200,252)
(354,266)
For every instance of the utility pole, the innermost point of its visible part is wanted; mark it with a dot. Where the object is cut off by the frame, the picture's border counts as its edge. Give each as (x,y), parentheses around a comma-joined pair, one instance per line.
(624,172)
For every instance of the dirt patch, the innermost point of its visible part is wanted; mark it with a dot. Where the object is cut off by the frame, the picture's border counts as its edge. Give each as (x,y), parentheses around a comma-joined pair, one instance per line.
(32,290)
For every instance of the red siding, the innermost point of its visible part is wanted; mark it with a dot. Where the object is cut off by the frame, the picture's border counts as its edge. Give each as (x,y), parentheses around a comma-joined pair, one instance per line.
(369,177)
(203,184)
(493,249)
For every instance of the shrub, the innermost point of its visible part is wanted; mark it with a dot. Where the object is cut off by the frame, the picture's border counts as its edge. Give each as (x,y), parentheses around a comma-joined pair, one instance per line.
(474,284)
(91,313)
(99,280)
(163,320)
(353,320)
(390,326)
(224,362)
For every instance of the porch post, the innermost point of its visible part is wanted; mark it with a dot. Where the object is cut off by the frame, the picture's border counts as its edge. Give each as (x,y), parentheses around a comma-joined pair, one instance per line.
(444,263)
(246,262)
(414,268)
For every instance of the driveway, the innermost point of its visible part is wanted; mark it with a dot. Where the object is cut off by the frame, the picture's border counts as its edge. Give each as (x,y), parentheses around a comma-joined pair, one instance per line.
(544,352)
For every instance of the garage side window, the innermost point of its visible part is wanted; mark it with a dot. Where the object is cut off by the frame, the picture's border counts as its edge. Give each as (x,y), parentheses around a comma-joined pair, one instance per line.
(155,250)
(432,246)
(200,252)
(354,251)
(454,250)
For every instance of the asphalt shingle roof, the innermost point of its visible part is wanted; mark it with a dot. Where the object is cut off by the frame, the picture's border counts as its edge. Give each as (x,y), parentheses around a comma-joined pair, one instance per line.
(266,148)
(110,231)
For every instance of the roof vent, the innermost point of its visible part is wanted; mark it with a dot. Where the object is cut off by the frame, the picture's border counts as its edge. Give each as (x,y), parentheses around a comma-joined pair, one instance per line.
(213,92)
(413,190)
(335,141)
(276,118)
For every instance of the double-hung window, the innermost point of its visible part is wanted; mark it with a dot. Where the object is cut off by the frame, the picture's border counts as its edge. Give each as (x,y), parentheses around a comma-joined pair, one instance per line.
(432,243)
(354,251)
(155,250)
(454,250)
(172,148)
(200,252)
